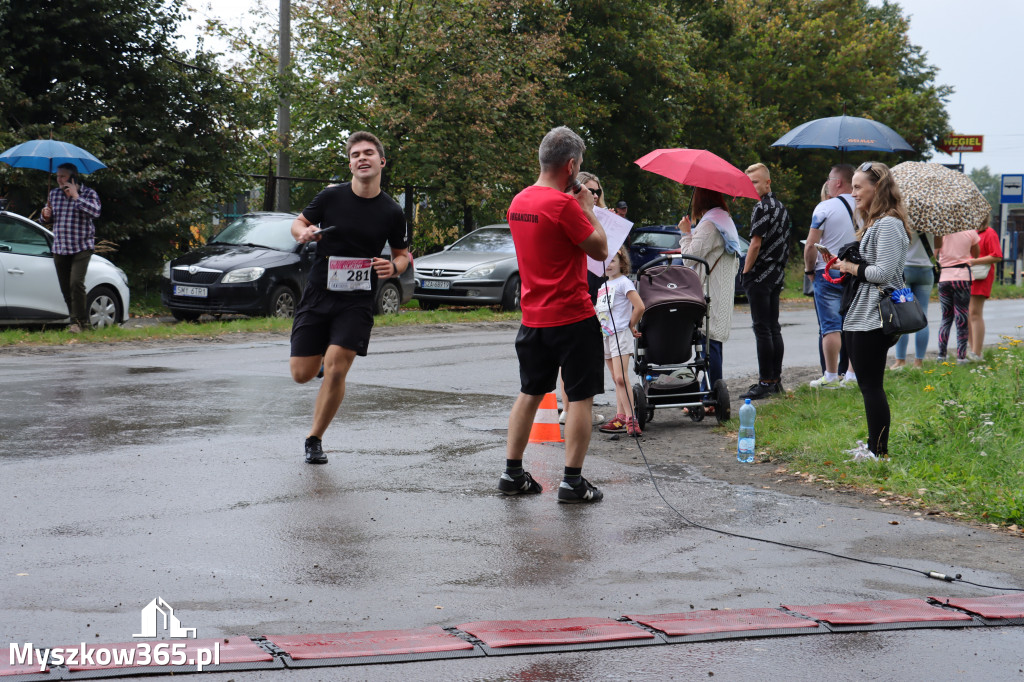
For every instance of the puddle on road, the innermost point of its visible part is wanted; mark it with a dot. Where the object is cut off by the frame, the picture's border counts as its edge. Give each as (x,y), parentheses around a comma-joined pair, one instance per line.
(109,407)
(150,370)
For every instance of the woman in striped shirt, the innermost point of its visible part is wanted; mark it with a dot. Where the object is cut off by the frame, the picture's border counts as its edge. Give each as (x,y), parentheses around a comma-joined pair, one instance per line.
(884,239)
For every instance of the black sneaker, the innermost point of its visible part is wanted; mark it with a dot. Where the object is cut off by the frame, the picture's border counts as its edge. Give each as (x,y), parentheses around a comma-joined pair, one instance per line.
(579,493)
(520,485)
(315,451)
(758,391)
(777,388)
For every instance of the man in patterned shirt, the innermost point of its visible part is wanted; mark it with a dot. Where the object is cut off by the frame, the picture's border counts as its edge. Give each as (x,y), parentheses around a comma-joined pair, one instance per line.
(764,271)
(69,212)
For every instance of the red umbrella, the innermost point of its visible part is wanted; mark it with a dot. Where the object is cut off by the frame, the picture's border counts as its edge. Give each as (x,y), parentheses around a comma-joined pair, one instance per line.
(699,168)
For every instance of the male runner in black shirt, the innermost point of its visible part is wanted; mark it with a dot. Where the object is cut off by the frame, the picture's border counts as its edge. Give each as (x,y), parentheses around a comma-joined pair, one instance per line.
(334,318)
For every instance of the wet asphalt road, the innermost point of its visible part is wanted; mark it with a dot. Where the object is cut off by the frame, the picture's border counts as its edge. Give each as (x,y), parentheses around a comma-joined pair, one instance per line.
(176,471)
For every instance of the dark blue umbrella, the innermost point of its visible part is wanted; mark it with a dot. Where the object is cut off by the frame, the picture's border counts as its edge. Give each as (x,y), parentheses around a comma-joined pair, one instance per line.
(46,155)
(845,133)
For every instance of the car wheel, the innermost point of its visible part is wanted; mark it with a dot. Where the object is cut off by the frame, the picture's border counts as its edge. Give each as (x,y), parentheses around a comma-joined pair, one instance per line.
(389,299)
(281,302)
(103,307)
(510,295)
(185,315)
(428,305)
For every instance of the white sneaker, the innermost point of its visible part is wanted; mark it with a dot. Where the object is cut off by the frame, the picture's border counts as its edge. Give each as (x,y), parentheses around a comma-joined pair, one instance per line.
(860,453)
(974,357)
(825,382)
(561,417)
(848,382)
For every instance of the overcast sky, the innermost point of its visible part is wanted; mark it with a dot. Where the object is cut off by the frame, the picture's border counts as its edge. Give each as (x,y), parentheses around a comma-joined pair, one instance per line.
(976,46)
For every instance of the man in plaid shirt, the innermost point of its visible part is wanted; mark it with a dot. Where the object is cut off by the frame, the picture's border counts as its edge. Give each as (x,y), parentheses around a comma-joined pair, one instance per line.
(69,212)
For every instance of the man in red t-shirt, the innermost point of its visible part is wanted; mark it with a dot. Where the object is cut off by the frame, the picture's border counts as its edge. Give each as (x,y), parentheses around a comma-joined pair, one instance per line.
(555,229)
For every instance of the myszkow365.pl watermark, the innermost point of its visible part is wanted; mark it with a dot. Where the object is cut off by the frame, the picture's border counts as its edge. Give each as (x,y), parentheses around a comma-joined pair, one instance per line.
(142,654)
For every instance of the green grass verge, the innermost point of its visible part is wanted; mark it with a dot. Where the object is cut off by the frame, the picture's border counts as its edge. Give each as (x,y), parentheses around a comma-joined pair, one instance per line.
(165,330)
(956,443)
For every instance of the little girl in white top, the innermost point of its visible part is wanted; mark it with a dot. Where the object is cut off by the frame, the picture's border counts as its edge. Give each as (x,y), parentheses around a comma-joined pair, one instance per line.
(619,309)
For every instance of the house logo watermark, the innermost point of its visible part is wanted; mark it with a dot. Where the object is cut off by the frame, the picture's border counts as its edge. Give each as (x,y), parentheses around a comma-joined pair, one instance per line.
(157,619)
(152,621)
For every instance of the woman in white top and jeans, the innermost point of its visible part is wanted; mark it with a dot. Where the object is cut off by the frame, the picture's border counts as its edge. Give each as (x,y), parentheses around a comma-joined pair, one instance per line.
(920,277)
(883,246)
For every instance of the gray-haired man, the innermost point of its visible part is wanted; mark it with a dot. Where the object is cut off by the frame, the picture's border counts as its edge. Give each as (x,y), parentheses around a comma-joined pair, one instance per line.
(555,229)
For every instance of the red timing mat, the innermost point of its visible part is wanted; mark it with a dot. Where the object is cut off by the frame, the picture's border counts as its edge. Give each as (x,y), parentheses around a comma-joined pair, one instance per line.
(7,669)
(559,631)
(378,643)
(876,612)
(232,650)
(1003,606)
(707,622)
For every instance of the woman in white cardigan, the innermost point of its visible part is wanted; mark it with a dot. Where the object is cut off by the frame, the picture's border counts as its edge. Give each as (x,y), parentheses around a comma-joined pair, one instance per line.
(715,240)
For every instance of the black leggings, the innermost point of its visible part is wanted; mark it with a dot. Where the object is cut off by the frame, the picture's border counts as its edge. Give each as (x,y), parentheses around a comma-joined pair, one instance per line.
(867,355)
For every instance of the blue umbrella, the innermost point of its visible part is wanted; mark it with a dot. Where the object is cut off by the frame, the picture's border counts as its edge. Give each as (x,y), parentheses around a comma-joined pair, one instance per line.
(845,133)
(46,155)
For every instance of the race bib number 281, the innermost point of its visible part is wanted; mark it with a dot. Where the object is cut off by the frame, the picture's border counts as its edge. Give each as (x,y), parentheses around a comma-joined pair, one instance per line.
(348,274)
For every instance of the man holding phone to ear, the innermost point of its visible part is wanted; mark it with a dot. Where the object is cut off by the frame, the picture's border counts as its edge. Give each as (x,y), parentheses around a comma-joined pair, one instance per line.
(69,211)
(554,229)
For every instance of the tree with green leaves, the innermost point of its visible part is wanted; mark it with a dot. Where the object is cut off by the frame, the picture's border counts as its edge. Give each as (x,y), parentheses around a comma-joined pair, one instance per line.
(462,90)
(455,90)
(105,75)
(770,65)
(990,185)
(630,85)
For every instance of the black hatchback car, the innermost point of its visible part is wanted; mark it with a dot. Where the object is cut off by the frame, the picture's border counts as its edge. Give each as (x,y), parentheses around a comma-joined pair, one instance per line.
(255,267)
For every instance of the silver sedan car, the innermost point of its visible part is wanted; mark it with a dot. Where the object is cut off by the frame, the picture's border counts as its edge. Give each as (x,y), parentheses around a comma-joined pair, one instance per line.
(479,269)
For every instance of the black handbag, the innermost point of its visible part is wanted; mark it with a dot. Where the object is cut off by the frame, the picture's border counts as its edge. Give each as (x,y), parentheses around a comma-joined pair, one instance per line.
(900,317)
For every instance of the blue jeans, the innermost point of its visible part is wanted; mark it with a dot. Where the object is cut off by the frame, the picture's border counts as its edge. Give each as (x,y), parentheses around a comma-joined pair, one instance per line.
(920,279)
(827,299)
(714,365)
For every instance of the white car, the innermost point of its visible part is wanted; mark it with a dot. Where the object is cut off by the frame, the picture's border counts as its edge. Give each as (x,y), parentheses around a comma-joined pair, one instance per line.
(29,292)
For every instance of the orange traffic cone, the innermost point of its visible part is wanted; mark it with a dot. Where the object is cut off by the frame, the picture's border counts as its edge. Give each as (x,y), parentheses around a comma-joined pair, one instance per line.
(545,424)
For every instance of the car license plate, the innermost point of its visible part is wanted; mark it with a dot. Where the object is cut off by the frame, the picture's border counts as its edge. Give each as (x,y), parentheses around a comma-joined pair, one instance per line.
(436,284)
(199,292)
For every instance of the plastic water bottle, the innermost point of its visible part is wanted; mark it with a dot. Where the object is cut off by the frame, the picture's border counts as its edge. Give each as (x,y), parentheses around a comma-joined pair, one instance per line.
(745,444)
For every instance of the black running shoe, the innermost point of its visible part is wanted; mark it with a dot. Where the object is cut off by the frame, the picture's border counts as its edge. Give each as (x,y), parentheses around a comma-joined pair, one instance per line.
(520,485)
(315,451)
(758,391)
(579,493)
(777,388)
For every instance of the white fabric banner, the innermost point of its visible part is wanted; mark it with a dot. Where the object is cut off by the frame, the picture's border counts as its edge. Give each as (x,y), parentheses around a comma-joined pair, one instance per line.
(616,229)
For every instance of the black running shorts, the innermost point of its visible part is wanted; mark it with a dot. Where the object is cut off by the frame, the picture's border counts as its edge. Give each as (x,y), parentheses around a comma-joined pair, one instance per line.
(324,318)
(575,348)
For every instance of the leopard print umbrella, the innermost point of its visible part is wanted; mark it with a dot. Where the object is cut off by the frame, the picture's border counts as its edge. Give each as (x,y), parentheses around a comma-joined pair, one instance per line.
(940,200)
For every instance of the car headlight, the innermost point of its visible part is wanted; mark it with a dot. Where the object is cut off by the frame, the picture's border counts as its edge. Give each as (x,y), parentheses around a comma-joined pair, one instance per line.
(124,277)
(166,274)
(243,275)
(479,272)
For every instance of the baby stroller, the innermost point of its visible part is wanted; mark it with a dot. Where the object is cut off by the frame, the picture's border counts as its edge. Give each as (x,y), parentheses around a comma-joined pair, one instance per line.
(671,358)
